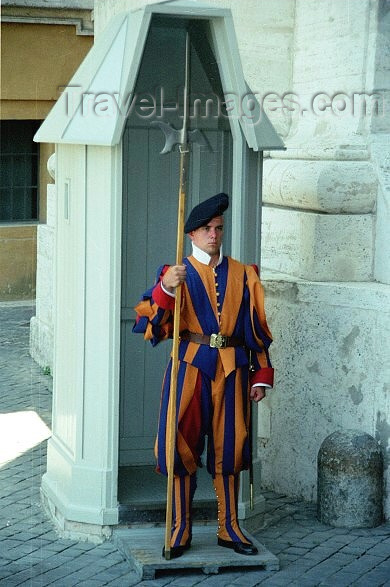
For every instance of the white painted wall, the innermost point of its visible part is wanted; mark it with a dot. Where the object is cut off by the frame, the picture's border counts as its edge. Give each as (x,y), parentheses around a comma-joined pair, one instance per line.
(80,485)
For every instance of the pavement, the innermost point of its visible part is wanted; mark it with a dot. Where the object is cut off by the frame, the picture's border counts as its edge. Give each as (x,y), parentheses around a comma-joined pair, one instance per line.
(32,554)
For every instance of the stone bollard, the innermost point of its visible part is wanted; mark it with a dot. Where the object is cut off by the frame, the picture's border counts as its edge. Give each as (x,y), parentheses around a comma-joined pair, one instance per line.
(350,480)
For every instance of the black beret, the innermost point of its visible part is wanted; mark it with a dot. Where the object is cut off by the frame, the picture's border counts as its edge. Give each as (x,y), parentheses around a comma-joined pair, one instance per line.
(205,211)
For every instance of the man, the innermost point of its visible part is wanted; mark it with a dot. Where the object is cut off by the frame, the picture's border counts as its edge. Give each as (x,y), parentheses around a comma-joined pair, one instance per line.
(223,329)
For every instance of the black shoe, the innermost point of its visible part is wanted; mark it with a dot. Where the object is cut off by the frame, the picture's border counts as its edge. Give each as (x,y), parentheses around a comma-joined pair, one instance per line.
(177,551)
(239,547)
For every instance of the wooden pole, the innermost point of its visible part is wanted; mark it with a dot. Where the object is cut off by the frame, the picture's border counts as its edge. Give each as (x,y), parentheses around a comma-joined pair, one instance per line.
(171,416)
(251,369)
(251,497)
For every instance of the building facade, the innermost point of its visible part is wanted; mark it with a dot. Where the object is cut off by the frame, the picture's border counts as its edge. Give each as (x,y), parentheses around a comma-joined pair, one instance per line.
(42,44)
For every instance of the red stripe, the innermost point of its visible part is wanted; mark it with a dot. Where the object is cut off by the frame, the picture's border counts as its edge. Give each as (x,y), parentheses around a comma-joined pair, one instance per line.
(264,375)
(162,299)
(190,424)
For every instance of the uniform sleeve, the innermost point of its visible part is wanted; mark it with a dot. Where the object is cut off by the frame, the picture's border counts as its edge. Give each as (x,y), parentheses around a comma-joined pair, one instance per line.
(154,312)
(258,337)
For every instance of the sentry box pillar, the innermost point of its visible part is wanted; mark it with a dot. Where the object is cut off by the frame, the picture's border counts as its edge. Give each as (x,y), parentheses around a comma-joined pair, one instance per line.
(116,223)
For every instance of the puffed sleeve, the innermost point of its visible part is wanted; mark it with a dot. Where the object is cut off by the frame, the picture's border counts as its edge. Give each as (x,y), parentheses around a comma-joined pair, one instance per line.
(154,312)
(258,337)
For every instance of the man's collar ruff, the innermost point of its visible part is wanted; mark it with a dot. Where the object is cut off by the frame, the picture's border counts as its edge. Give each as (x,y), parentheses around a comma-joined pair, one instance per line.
(204,257)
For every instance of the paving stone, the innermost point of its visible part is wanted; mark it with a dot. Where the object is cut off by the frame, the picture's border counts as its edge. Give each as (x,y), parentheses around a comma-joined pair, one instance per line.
(295,550)
(381,549)
(285,560)
(128,580)
(323,570)
(276,581)
(343,579)
(343,559)
(374,578)
(305,582)
(363,564)
(339,540)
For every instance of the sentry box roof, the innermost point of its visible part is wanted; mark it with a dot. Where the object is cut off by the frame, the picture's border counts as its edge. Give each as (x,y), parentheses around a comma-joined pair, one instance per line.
(93,108)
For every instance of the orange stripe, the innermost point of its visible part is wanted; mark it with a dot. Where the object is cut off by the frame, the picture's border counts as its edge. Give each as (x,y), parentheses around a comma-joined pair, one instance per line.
(207,277)
(262,358)
(188,316)
(232,501)
(240,431)
(185,454)
(257,295)
(178,511)
(233,296)
(218,402)
(191,351)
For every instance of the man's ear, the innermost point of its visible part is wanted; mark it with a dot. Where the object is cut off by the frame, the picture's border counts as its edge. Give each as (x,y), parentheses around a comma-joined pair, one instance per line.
(191,235)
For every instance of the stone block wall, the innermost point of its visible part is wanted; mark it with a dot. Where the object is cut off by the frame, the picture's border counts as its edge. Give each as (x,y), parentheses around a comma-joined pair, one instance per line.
(331,354)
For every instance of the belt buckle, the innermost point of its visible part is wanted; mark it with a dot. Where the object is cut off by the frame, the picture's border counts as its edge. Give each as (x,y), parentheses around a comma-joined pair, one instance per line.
(218,341)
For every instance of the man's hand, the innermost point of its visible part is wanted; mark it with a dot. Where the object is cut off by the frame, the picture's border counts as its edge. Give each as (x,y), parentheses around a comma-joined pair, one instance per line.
(257,393)
(176,275)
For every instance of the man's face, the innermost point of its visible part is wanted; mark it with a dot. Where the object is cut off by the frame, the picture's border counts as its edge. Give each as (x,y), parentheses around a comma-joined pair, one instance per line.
(209,237)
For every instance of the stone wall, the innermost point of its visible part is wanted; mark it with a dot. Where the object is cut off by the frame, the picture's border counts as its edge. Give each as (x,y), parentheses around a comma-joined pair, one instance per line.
(331,354)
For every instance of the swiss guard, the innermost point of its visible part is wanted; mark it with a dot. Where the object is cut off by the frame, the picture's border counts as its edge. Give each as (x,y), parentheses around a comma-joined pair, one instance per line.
(223,365)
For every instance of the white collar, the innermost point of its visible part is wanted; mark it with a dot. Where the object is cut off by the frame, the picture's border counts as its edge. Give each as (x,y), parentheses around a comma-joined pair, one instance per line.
(204,257)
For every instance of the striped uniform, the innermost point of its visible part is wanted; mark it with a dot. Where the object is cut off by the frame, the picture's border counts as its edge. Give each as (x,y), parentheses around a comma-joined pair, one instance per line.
(212,389)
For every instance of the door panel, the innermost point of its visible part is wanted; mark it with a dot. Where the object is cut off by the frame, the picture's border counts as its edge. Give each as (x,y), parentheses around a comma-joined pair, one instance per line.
(150,192)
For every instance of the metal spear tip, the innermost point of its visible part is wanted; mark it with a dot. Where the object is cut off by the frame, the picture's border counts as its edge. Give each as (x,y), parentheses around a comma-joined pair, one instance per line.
(174,137)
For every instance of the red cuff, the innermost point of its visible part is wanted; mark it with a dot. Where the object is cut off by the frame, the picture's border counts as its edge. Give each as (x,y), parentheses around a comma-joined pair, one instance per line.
(162,299)
(264,375)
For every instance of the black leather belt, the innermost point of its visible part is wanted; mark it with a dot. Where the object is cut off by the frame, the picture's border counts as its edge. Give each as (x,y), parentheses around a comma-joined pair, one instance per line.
(216,341)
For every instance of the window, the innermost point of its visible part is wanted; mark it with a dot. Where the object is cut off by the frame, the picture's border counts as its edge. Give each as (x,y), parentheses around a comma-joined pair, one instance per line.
(18,171)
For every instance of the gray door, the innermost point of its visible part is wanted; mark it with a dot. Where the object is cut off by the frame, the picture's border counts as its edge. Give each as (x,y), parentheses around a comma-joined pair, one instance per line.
(150,191)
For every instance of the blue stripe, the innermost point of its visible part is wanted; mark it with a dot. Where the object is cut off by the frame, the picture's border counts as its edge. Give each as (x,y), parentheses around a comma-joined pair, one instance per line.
(229,528)
(268,359)
(207,414)
(222,273)
(182,511)
(245,404)
(200,300)
(161,456)
(179,468)
(244,391)
(206,360)
(259,331)
(229,427)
